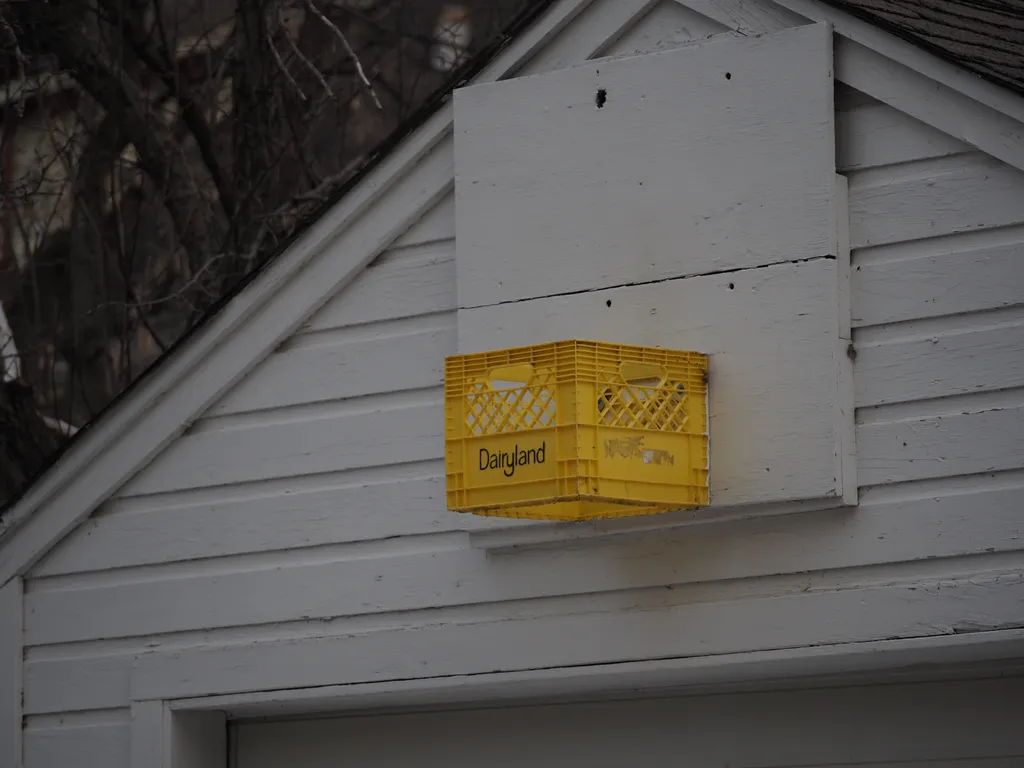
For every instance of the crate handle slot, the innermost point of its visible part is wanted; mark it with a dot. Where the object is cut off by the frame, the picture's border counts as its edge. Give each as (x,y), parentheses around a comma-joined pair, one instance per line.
(511,377)
(648,375)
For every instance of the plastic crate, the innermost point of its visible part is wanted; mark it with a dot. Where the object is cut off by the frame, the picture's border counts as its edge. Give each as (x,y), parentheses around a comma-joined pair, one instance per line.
(576,430)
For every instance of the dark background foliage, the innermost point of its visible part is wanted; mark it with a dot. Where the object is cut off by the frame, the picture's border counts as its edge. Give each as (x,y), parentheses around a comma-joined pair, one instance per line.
(155,153)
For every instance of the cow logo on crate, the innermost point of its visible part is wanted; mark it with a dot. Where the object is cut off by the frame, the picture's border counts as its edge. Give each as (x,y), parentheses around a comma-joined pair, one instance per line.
(633,448)
(627,447)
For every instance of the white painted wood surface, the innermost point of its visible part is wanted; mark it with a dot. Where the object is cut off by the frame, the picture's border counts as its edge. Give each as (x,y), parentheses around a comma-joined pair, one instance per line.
(399,429)
(395,357)
(404,500)
(290,548)
(443,572)
(976,439)
(964,83)
(163,738)
(435,225)
(877,135)
(150,734)
(11,671)
(667,25)
(952,111)
(936,362)
(94,740)
(891,205)
(809,610)
(942,520)
(951,276)
(405,282)
(595,27)
(761,143)
(772,335)
(867,727)
(872,663)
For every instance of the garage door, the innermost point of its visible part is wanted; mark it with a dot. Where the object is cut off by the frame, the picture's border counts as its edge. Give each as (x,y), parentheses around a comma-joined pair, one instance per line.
(976,724)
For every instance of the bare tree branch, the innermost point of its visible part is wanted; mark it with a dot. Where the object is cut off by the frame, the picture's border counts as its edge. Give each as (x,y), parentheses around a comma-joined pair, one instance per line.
(348,49)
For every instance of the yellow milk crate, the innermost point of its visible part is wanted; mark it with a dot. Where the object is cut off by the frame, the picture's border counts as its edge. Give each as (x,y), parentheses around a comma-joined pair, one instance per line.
(576,430)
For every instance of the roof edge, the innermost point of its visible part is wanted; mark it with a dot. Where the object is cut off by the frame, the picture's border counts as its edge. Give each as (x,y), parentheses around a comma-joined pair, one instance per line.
(967,106)
(157,409)
(163,402)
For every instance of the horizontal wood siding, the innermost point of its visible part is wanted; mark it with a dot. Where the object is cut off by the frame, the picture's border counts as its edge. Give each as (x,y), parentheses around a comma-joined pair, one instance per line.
(86,740)
(300,527)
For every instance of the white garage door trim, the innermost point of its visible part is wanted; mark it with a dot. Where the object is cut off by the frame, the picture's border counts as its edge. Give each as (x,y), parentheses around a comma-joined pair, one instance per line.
(970,723)
(176,732)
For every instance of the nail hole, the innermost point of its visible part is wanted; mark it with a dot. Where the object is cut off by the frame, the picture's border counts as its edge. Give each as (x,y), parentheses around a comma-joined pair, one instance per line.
(608,303)
(601,97)
(731,286)
(728,75)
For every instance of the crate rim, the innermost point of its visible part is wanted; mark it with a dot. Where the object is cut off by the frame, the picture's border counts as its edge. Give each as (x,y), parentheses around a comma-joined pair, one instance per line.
(574,340)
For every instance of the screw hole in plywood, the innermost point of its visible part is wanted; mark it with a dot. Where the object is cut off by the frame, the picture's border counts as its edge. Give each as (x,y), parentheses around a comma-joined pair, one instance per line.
(601,98)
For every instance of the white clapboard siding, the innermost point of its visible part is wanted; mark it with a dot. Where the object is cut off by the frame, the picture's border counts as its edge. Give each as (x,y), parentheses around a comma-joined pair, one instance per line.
(363,433)
(874,134)
(953,360)
(103,744)
(445,573)
(85,680)
(594,29)
(667,25)
(972,272)
(405,282)
(957,443)
(306,542)
(933,198)
(278,515)
(675,626)
(435,225)
(942,520)
(383,358)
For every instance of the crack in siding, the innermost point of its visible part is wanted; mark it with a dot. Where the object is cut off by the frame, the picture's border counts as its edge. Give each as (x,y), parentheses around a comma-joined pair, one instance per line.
(785,262)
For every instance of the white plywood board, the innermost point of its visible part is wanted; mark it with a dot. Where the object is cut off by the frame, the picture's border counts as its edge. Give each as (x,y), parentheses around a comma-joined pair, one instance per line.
(717,155)
(774,339)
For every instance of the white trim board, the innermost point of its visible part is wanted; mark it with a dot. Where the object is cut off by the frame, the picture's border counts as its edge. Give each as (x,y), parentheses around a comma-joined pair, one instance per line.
(913,658)
(11,671)
(907,78)
(179,732)
(162,738)
(299,281)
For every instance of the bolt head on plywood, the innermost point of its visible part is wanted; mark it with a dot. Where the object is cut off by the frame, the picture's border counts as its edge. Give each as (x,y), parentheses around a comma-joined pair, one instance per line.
(685,199)
(717,155)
